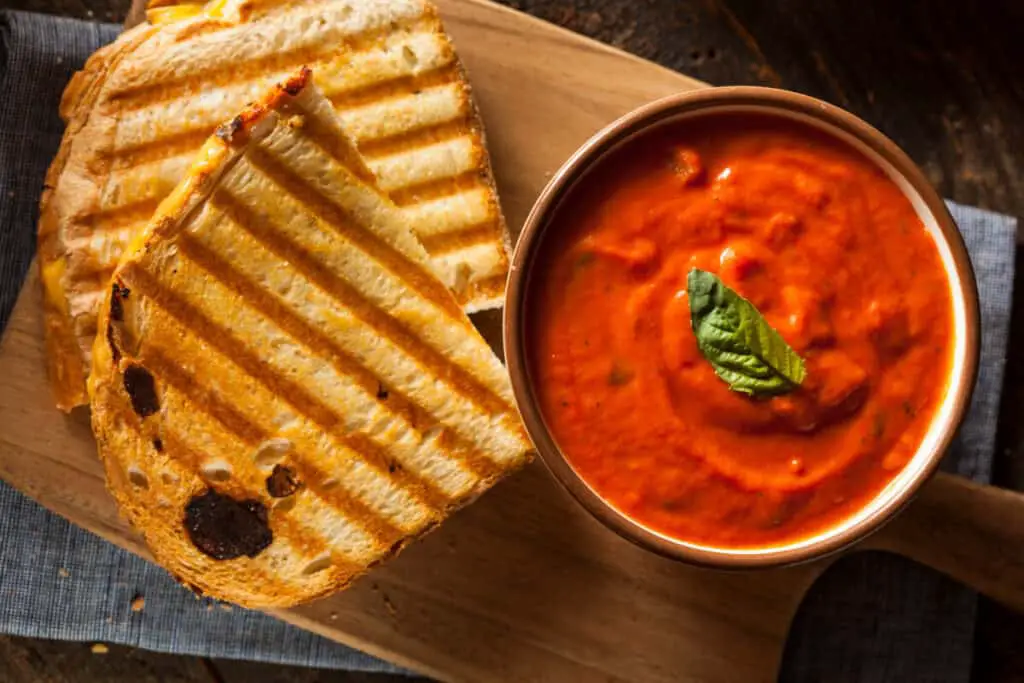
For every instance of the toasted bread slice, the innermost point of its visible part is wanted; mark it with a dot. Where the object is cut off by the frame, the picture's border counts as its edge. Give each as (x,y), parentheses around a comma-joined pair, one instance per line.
(141,111)
(283,392)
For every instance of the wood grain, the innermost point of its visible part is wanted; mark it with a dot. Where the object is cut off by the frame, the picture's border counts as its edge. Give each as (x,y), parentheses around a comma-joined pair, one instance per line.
(522,586)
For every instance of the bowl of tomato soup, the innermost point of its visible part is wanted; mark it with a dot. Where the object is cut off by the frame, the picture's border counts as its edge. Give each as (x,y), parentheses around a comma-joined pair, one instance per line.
(742,327)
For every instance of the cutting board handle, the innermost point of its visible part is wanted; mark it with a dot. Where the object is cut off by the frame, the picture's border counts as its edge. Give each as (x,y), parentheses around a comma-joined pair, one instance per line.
(972,533)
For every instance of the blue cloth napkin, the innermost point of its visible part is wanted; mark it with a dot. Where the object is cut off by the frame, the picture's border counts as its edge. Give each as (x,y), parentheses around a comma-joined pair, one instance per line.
(872,618)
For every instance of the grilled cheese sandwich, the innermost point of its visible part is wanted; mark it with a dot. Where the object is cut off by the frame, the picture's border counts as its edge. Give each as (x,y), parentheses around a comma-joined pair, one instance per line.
(283,391)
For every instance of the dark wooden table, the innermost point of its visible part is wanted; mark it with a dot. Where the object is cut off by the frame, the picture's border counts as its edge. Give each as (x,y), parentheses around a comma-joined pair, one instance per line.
(940,78)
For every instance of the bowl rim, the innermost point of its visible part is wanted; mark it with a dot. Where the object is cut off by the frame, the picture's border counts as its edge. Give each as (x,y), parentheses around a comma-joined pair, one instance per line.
(590,154)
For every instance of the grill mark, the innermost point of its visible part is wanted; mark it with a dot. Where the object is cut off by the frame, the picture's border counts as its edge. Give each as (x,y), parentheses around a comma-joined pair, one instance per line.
(437,188)
(82,243)
(184,142)
(304,403)
(354,510)
(335,497)
(402,337)
(447,242)
(169,371)
(397,402)
(114,219)
(393,88)
(489,287)
(424,489)
(338,147)
(411,140)
(414,274)
(374,454)
(94,273)
(229,73)
(289,529)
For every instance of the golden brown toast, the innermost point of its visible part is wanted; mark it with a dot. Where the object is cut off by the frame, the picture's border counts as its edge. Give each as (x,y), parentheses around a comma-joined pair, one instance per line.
(143,106)
(283,392)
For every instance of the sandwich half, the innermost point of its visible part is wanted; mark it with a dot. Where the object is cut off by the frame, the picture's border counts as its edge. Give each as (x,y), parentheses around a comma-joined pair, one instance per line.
(143,107)
(283,391)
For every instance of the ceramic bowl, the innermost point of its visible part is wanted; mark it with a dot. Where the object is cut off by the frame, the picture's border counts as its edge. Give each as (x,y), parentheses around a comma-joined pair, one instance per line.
(675,111)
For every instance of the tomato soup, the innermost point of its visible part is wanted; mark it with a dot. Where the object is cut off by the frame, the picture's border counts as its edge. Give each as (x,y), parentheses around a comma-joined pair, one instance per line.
(830,253)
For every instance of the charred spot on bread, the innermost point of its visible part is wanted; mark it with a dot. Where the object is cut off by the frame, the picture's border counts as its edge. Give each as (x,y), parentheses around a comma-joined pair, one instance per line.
(118,294)
(282,482)
(158,445)
(115,352)
(229,130)
(294,85)
(224,528)
(141,388)
(382,392)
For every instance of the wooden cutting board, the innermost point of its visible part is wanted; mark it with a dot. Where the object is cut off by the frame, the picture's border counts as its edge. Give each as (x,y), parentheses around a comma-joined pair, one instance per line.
(524,585)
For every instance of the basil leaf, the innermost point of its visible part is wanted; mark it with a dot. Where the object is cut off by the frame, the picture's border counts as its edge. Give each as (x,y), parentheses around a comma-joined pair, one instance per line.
(743,348)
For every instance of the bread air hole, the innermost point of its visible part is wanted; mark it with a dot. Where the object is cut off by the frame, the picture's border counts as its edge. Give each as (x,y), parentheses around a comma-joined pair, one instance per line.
(126,321)
(271,452)
(410,57)
(317,565)
(463,273)
(138,478)
(216,470)
(285,504)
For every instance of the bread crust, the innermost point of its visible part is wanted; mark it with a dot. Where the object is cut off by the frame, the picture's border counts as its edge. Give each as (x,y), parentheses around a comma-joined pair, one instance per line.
(477,301)
(66,366)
